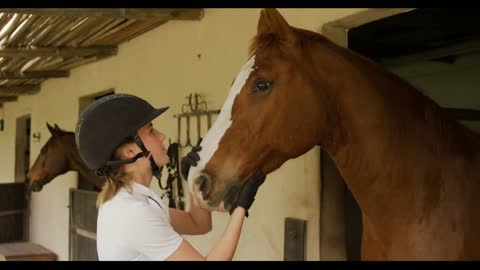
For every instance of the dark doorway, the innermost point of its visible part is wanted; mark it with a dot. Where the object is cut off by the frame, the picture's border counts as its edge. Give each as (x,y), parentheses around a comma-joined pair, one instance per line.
(22,148)
(22,165)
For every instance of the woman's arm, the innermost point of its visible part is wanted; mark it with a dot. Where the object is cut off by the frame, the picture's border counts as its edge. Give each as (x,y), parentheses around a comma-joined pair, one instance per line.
(227,244)
(192,222)
(225,247)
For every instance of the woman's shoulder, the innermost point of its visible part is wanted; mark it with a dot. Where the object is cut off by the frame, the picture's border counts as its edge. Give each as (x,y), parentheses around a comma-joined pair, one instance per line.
(128,205)
(122,201)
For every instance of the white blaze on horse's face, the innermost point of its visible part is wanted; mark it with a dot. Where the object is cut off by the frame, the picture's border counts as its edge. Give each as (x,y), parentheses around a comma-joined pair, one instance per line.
(210,143)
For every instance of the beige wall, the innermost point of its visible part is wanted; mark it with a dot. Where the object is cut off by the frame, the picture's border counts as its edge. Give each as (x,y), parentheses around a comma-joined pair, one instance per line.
(163,66)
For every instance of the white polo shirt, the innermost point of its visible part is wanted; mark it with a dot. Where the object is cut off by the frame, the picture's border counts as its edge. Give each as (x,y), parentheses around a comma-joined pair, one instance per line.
(135,227)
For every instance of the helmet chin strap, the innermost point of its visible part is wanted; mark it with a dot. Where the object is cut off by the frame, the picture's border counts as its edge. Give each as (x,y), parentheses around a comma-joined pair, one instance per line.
(157,171)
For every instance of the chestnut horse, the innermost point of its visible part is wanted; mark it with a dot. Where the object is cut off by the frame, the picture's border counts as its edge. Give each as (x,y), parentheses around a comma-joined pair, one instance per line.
(58,156)
(412,169)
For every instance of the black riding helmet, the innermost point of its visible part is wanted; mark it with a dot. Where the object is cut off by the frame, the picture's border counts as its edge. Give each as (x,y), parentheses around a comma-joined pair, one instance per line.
(107,123)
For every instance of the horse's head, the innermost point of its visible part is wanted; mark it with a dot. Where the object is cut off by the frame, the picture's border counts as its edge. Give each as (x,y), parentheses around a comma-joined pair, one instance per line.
(53,158)
(266,119)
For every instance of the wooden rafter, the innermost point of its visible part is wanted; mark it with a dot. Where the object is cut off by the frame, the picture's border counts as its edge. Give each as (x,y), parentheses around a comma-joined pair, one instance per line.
(15,90)
(34,75)
(8,99)
(454,50)
(115,13)
(39,44)
(58,51)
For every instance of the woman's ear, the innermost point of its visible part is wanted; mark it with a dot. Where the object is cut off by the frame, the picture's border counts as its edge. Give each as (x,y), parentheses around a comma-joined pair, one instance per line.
(128,151)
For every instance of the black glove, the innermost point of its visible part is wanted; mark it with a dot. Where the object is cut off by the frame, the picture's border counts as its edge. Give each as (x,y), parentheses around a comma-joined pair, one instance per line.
(248,192)
(190,159)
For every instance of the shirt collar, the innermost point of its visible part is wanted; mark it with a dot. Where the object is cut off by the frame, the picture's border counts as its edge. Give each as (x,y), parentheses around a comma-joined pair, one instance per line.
(140,189)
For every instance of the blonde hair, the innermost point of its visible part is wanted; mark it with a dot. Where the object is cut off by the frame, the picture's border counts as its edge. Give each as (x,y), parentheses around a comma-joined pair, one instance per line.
(115,179)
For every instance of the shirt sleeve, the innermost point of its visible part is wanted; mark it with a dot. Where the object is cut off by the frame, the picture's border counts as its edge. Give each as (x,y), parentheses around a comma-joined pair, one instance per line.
(152,234)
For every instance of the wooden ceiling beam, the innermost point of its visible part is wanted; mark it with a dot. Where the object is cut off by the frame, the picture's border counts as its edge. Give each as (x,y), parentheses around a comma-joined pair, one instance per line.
(115,13)
(15,90)
(34,75)
(8,99)
(453,50)
(58,51)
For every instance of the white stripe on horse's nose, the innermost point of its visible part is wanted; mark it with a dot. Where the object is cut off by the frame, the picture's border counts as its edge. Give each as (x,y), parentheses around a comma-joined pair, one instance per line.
(211,140)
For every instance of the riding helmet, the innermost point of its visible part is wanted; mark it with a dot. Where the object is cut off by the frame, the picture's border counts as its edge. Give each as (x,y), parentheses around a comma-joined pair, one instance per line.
(107,123)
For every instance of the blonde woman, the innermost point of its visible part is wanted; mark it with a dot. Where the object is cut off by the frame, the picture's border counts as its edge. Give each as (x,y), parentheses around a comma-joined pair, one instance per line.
(116,138)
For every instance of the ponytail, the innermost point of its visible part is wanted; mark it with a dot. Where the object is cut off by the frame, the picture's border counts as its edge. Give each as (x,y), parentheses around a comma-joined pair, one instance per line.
(114,181)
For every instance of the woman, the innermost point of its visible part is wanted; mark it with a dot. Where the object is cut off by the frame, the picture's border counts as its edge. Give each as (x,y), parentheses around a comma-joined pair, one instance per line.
(115,137)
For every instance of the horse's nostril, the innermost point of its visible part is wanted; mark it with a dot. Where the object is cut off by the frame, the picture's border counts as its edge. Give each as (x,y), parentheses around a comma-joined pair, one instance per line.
(204,183)
(35,186)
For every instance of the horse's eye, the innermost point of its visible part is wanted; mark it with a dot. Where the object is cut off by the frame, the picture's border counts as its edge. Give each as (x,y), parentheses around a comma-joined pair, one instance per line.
(261,85)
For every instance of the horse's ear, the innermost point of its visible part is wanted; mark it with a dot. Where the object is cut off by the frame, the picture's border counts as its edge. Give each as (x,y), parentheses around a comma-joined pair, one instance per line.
(271,21)
(58,128)
(51,129)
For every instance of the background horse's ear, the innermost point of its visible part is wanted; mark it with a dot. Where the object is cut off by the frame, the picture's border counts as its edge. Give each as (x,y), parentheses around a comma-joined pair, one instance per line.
(271,21)
(51,129)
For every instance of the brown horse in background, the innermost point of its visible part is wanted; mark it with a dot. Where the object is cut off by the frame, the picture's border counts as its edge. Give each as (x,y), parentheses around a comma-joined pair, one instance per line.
(412,169)
(58,156)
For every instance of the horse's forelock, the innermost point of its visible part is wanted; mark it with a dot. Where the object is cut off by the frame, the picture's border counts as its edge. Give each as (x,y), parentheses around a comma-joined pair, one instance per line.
(264,41)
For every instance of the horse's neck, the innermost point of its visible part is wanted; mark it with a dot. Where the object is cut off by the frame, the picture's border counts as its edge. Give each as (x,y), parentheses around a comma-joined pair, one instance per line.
(386,128)
(77,164)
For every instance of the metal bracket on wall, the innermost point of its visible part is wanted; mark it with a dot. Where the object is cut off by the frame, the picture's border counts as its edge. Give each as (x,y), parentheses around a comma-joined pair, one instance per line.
(36,136)
(194,108)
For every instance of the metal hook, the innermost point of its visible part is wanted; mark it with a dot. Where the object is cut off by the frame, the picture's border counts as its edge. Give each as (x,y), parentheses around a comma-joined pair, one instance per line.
(209,119)
(36,136)
(183,108)
(202,102)
(179,129)
(189,141)
(199,131)
(193,108)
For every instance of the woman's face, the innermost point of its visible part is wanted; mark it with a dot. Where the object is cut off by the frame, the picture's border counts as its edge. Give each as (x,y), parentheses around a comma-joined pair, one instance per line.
(153,141)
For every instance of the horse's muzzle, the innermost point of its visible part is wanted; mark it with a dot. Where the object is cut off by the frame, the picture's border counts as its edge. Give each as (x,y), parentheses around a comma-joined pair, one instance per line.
(205,196)
(35,186)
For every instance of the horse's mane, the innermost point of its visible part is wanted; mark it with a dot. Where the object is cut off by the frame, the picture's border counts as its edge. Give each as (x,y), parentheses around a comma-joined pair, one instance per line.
(274,40)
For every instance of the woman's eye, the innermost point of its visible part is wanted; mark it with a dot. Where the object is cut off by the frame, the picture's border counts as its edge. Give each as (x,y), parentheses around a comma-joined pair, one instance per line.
(262,85)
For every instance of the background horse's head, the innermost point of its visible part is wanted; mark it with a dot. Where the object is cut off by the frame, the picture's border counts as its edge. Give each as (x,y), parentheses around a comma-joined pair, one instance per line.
(270,115)
(53,159)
